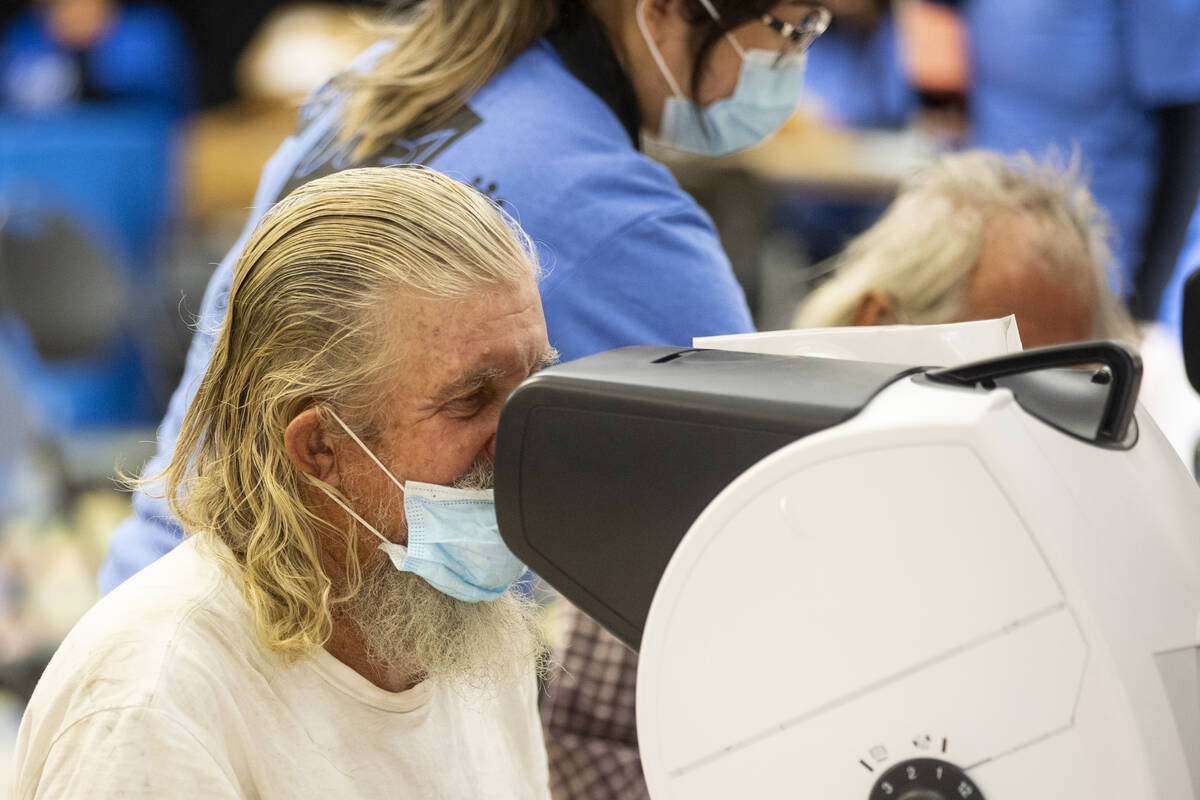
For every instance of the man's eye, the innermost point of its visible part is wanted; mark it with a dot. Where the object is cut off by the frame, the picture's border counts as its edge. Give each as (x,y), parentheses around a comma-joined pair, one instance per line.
(470,401)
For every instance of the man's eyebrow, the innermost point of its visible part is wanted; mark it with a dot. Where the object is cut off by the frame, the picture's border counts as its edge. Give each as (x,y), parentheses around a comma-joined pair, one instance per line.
(471,379)
(475,378)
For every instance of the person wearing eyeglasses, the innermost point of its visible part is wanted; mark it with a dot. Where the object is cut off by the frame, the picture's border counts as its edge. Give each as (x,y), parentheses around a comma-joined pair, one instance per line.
(543,106)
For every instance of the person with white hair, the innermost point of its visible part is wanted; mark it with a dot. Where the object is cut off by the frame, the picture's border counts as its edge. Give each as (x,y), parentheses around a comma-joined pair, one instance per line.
(339,621)
(974,235)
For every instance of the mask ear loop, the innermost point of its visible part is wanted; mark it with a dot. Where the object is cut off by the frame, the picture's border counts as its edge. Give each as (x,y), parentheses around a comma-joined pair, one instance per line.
(640,13)
(366,449)
(329,493)
(328,490)
(712,12)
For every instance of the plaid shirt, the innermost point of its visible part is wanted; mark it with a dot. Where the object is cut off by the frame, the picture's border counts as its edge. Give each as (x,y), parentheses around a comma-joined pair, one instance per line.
(588,713)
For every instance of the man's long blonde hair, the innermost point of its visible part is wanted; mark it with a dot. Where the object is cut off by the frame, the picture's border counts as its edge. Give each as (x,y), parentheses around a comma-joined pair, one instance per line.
(306,328)
(929,240)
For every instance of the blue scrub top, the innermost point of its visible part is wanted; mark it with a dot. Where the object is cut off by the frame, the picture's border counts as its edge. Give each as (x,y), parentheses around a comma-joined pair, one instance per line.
(1061,73)
(628,256)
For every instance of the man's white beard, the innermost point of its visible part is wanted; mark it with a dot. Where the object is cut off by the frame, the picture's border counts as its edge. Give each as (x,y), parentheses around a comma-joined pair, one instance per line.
(410,626)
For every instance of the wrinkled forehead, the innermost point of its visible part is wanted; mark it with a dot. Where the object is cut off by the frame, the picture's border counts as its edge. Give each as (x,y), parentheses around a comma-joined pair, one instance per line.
(493,327)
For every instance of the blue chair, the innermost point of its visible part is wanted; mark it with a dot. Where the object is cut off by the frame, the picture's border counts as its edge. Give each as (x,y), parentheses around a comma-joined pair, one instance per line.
(64,321)
(86,194)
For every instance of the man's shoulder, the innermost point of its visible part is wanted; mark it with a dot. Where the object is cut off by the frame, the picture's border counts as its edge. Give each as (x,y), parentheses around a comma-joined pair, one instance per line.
(174,624)
(133,700)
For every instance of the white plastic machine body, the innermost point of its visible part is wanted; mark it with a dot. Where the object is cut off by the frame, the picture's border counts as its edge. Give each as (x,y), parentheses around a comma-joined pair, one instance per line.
(943,597)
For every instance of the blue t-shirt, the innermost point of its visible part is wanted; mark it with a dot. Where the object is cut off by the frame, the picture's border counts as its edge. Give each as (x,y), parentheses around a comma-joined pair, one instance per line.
(628,256)
(1061,73)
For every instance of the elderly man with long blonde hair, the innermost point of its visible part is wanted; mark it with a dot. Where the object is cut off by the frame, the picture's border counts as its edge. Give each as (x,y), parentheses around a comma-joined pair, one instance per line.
(339,622)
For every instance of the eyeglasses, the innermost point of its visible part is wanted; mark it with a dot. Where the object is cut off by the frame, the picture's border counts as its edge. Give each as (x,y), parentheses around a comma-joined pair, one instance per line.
(798,36)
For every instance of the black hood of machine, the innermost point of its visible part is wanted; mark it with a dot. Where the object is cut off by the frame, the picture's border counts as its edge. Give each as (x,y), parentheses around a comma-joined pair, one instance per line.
(604,463)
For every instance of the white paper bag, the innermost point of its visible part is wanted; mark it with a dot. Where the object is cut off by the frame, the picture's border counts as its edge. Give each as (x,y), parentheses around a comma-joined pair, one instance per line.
(910,345)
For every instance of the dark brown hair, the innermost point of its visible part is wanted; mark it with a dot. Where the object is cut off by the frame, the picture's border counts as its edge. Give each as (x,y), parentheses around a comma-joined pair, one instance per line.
(709,32)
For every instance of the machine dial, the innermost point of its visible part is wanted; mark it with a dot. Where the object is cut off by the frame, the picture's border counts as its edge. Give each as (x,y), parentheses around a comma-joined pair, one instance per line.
(925,779)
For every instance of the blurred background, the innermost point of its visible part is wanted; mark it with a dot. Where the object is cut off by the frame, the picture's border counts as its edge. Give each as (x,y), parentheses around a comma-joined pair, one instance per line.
(131,140)
(132,136)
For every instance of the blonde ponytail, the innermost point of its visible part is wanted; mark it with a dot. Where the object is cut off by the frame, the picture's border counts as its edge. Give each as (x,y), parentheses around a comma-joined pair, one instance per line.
(444,51)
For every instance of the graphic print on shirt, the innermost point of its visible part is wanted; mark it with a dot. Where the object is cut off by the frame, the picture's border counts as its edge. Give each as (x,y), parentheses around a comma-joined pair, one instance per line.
(329,155)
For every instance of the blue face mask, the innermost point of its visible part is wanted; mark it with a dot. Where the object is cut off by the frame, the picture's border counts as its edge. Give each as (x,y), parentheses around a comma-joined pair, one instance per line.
(766,95)
(454,542)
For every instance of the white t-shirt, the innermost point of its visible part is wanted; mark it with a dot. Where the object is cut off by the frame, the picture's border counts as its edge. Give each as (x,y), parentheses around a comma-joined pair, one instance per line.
(164,690)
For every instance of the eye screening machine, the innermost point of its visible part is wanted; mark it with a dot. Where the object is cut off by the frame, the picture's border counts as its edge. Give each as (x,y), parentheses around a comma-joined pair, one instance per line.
(858,581)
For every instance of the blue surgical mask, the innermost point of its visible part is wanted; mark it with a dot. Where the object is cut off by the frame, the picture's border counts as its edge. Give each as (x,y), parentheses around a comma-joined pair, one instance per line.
(765,96)
(454,542)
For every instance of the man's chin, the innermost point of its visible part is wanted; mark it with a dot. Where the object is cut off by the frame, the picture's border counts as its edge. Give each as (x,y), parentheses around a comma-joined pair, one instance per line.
(409,625)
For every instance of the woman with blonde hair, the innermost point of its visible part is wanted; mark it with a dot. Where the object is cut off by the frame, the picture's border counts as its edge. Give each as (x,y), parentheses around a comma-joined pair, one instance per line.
(541,104)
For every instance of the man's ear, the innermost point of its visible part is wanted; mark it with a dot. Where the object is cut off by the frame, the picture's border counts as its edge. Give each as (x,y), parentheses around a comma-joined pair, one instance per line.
(308,447)
(876,307)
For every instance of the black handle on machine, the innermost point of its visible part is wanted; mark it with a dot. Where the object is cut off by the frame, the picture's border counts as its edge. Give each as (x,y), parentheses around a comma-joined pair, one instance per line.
(1124,365)
(1190,333)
